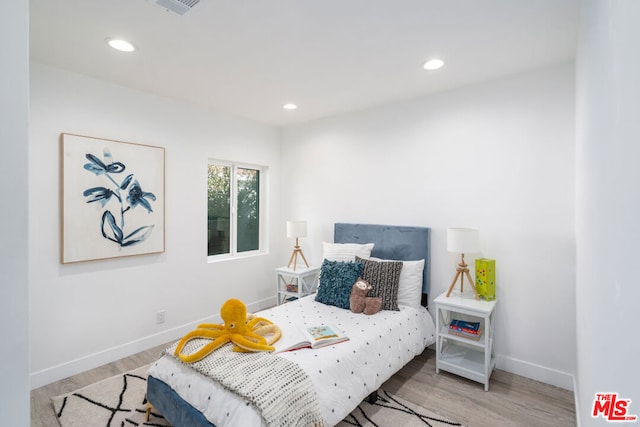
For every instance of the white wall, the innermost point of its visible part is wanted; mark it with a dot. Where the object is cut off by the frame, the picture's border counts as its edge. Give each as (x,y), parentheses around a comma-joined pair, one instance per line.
(608,208)
(499,156)
(14,119)
(83,315)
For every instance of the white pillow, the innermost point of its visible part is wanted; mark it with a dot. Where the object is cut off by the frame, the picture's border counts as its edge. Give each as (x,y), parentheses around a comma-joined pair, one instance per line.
(346,251)
(410,286)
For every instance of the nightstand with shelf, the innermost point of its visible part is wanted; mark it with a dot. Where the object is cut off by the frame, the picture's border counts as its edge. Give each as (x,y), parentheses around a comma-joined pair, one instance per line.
(293,284)
(472,359)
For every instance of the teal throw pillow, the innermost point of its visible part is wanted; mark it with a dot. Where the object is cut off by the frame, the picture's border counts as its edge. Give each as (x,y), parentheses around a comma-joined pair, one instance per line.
(336,280)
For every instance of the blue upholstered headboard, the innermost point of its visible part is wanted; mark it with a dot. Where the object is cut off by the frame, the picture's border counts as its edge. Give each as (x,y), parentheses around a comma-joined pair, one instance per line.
(391,242)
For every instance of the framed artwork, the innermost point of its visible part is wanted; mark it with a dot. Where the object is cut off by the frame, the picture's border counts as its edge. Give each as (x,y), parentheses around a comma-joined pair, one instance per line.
(112,198)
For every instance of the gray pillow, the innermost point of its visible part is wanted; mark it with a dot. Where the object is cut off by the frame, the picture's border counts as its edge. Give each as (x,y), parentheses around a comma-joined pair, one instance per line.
(384,277)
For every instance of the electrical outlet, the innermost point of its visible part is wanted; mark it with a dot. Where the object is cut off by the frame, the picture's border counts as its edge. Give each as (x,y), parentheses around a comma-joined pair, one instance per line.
(160,317)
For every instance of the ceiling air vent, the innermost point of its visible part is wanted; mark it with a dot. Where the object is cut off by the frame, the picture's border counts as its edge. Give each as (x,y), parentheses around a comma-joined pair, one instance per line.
(178,6)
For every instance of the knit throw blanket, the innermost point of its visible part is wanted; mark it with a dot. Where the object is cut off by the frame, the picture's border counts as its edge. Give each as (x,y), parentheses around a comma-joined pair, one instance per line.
(280,390)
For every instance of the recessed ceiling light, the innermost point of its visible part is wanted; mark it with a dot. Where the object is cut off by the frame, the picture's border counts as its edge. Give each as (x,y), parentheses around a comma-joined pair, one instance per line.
(121,45)
(433,64)
(289,106)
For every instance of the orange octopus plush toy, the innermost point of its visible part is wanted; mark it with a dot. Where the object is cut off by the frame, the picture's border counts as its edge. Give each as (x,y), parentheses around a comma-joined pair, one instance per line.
(248,333)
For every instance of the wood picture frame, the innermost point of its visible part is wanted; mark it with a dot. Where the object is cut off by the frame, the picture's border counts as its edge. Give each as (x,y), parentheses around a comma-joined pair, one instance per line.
(112,198)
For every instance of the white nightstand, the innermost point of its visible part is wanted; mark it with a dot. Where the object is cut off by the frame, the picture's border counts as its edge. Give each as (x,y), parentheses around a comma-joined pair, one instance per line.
(301,282)
(460,355)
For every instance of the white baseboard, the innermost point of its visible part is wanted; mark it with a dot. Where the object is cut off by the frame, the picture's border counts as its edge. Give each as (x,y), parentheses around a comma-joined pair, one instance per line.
(536,372)
(82,364)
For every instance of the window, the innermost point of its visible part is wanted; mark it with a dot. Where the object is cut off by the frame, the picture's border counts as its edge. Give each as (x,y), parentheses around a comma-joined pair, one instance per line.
(233,208)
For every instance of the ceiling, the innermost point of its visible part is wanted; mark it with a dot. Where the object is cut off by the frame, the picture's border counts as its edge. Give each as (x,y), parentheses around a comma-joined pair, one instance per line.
(249,57)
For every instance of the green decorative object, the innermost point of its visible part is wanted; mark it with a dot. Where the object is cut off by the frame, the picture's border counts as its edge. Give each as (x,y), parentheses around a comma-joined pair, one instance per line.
(486,278)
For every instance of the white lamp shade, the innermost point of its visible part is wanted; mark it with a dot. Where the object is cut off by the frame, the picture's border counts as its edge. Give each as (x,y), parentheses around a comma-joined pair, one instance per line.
(463,240)
(296,229)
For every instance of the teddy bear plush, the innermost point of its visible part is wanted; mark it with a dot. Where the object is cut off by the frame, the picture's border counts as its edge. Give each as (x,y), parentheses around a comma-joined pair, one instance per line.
(359,302)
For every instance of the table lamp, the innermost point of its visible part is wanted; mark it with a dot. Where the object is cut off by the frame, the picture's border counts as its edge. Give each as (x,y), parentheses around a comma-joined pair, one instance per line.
(295,230)
(463,240)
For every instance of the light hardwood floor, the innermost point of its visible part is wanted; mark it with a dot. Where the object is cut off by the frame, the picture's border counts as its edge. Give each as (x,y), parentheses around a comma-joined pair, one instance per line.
(511,400)
(42,413)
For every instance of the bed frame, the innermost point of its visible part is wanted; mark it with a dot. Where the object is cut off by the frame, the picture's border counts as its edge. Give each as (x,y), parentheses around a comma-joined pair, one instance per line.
(391,242)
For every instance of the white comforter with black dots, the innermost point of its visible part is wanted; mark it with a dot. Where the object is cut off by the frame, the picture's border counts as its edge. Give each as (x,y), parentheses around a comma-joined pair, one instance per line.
(342,374)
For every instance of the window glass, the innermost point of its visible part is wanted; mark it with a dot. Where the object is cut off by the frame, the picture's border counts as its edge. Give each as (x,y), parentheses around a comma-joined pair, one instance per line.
(248,209)
(233,209)
(219,209)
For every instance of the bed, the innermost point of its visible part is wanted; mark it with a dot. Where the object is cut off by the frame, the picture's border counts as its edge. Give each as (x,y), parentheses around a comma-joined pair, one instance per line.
(340,375)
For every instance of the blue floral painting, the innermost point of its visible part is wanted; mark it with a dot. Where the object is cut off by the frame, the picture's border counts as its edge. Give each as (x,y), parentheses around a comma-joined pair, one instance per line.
(112,195)
(127,194)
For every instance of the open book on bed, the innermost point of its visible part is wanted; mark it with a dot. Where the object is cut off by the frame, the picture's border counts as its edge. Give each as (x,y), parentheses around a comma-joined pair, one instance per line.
(316,336)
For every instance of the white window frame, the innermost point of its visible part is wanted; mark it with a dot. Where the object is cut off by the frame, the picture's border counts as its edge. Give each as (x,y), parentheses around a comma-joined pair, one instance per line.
(233,221)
